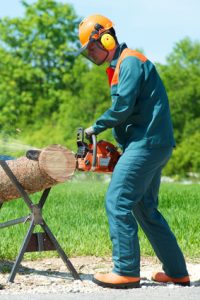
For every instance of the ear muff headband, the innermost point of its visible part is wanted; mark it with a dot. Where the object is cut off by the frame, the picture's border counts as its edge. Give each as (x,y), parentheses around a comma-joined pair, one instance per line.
(108,41)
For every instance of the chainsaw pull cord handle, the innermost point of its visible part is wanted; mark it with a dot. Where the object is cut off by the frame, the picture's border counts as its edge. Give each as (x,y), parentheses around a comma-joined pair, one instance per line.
(94,159)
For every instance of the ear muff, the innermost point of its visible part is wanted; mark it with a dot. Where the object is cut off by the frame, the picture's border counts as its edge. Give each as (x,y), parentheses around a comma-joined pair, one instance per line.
(108,41)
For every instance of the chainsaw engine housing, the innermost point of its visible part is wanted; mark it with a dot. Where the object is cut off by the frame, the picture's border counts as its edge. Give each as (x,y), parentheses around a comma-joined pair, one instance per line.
(106,156)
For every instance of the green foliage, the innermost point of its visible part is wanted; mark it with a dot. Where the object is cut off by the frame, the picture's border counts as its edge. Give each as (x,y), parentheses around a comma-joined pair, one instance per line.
(76,215)
(35,66)
(186,158)
(181,77)
(46,93)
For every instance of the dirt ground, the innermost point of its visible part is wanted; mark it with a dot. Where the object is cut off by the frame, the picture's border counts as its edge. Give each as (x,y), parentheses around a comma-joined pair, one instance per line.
(51,275)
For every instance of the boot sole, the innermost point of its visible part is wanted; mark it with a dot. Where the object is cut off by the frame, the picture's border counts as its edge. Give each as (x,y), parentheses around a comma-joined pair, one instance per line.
(187,283)
(129,285)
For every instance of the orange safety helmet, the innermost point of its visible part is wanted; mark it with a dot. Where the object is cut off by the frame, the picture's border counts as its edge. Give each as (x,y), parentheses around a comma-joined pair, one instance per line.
(87,26)
(95,38)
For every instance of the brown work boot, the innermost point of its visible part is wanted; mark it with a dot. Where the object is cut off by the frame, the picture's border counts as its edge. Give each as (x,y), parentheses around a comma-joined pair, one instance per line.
(162,277)
(116,281)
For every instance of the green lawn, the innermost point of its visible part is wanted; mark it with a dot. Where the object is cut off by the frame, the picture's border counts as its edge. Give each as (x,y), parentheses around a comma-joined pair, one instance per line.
(76,215)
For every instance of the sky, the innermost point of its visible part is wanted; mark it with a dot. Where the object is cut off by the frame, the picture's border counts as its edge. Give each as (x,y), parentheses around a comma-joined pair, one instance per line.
(154,26)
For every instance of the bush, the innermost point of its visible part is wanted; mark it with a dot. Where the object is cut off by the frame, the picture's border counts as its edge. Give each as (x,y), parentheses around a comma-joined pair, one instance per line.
(186,157)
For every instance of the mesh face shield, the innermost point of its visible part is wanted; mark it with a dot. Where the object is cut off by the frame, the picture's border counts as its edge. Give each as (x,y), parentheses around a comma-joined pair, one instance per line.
(95,52)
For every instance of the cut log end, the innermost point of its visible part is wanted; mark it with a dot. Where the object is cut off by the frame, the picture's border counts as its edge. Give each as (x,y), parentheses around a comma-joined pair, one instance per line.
(58,162)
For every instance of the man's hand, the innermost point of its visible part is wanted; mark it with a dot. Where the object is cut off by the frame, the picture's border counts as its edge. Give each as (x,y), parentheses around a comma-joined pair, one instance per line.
(88,132)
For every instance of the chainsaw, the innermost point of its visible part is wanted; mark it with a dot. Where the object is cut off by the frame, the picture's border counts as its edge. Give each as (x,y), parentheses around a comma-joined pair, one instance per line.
(94,156)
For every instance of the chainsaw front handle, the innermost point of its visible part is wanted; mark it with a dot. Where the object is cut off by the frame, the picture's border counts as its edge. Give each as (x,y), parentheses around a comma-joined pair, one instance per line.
(94,158)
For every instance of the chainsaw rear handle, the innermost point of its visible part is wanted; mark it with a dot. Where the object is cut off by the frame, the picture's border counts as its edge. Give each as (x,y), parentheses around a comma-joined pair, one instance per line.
(94,158)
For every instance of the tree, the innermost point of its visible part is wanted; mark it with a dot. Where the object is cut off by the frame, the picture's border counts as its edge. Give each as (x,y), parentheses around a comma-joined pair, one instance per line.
(46,91)
(34,64)
(181,76)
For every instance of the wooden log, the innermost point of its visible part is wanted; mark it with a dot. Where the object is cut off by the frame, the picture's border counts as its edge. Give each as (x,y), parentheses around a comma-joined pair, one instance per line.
(54,164)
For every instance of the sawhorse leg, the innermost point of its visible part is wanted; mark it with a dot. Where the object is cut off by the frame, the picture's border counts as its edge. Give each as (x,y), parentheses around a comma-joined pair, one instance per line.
(21,252)
(60,251)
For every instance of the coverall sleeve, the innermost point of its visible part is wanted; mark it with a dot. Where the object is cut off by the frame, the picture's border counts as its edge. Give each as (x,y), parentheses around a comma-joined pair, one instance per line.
(130,76)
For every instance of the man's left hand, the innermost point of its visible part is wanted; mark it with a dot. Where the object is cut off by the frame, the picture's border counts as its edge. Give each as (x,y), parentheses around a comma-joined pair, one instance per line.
(89,131)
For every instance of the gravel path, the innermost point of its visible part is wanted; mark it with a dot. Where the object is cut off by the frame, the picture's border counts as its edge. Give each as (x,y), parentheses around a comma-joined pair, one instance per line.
(50,277)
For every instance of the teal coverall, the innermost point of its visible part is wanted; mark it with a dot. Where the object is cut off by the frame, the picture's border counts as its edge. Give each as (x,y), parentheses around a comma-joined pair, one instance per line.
(141,123)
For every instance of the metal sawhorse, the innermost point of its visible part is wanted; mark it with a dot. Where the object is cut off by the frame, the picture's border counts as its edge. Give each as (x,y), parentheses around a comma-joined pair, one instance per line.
(41,241)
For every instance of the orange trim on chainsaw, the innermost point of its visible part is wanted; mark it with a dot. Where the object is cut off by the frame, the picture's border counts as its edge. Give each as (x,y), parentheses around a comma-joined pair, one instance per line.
(127,52)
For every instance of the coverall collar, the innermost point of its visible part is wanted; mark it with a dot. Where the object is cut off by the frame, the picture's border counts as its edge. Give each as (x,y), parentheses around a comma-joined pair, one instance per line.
(117,54)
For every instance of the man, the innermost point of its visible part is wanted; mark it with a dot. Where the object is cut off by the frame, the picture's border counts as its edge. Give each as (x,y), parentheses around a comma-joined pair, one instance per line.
(141,123)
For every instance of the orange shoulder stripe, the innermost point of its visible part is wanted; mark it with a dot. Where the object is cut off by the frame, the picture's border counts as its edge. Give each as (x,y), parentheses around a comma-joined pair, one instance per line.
(127,52)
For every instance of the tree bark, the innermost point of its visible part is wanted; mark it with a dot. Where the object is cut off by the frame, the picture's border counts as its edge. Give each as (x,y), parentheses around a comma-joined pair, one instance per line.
(54,164)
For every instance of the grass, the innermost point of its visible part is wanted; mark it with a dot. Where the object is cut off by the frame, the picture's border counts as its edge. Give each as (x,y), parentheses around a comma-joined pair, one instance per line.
(75,213)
